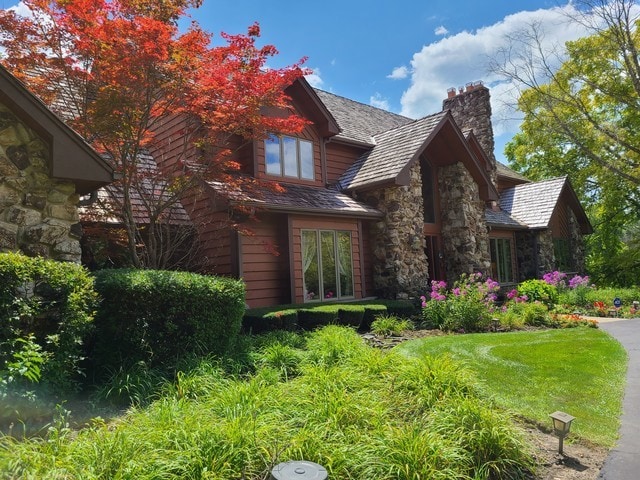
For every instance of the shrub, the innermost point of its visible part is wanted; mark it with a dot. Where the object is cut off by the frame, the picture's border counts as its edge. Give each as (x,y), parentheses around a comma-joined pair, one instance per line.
(50,304)
(371,311)
(312,318)
(157,316)
(539,290)
(351,315)
(390,325)
(533,314)
(466,307)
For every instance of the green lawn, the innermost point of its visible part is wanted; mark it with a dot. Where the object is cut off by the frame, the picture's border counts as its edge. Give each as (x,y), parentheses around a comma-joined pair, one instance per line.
(580,371)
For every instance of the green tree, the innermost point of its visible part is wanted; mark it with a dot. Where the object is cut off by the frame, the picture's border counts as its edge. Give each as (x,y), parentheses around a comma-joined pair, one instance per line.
(582,119)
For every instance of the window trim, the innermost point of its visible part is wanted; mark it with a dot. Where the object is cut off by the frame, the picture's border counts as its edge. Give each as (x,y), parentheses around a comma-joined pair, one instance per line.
(321,295)
(281,158)
(511,244)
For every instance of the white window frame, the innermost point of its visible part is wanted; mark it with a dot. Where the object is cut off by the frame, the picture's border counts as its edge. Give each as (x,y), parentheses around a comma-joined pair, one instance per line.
(282,140)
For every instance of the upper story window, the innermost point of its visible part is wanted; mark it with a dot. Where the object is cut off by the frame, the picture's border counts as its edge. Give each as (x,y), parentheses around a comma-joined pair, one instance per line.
(289,157)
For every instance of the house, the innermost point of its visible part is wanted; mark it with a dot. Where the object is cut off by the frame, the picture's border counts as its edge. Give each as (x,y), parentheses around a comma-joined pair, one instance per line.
(377,204)
(44,169)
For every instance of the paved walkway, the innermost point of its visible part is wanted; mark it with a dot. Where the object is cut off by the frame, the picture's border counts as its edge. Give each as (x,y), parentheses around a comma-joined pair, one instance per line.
(623,462)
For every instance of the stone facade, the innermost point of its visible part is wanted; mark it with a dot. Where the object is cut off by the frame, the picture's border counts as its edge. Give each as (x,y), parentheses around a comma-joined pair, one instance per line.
(576,242)
(464,230)
(400,266)
(38,214)
(527,244)
(471,109)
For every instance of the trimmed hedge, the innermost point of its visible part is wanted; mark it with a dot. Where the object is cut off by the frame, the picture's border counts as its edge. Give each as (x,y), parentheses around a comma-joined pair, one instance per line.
(158,316)
(309,316)
(51,302)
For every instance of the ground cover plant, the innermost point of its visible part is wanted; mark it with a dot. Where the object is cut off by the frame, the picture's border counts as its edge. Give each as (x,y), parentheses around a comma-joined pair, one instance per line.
(533,373)
(324,397)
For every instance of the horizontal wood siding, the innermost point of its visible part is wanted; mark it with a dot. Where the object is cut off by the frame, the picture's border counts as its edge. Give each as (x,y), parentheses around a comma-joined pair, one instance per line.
(266,274)
(339,158)
(299,223)
(310,134)
(367,258)
(171,146)
(560,221)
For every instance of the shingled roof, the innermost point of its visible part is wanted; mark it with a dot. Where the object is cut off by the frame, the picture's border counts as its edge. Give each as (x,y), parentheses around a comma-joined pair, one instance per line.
(394,149)
(358,122)
(533,203)
(501,219)
(298,198)
(506,172)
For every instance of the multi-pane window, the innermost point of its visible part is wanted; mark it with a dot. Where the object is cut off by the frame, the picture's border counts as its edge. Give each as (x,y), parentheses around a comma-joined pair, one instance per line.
(327,265)
(501,263)
(289,157)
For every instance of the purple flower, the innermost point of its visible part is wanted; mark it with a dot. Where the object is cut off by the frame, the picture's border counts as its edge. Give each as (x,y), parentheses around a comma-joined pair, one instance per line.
(512,294)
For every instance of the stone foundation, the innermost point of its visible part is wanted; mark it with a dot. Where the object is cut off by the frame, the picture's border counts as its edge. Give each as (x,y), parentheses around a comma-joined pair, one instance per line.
(464,231)
(38,215)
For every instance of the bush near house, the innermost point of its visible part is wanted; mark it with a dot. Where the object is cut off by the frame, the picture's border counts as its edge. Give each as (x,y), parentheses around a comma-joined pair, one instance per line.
(158,316)
(309,316)
(46,312)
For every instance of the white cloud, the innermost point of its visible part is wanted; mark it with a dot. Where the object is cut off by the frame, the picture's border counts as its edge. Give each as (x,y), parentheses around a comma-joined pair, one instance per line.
(314,78)
(464,57)
(441,30)
(399,73)
(22,10)
(379,101)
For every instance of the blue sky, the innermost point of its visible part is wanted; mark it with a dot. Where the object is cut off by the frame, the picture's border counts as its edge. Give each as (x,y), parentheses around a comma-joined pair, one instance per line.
(401,56)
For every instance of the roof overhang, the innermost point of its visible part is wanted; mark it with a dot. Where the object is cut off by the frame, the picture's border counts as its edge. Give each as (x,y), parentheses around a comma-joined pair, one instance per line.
(446,145)
(309,104)
(71,158)
(574,203)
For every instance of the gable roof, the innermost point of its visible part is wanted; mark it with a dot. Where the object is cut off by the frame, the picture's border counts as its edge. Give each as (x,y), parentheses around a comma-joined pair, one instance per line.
(508,173)
(533,203)
(360,123)
(394,149)
(71,158)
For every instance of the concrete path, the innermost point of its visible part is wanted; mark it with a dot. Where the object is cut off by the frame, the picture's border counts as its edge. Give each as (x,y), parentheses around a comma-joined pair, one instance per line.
(623,462)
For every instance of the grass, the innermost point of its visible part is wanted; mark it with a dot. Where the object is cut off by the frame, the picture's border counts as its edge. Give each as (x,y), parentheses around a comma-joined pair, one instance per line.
(358,411)
(533,373)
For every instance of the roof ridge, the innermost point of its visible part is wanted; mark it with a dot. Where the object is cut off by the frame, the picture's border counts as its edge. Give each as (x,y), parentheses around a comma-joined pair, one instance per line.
(363,104)
(414,122)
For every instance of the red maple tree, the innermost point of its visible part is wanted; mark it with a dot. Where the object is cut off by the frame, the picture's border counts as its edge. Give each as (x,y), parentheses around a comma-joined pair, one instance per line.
(115,68)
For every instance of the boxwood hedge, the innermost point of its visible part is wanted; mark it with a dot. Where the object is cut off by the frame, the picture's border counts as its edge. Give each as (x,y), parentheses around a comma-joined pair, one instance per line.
(158,316)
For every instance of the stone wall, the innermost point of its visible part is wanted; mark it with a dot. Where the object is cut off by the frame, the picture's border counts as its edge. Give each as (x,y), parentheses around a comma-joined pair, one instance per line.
(464,230)
(527,244)
(38,215)
(576,244)
(400,267)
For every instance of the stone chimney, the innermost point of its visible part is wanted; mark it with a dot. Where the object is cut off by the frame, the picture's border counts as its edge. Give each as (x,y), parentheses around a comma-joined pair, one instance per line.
(471,109)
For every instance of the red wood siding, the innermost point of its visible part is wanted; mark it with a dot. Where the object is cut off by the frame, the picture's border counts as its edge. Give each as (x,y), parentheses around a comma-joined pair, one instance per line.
(367,260)
(559,223)
(266,274)
(299,223)
(339,158)
(170,145)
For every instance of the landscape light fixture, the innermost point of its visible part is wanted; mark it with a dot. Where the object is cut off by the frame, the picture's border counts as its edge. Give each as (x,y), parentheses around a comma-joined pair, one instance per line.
(561,426)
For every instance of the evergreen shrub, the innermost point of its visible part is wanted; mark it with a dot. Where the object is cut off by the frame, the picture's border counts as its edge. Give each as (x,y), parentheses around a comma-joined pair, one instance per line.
(158,316)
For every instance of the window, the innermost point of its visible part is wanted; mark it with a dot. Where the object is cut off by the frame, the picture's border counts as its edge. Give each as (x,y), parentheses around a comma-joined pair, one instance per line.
(327,266)
(562,253)
(501,264)
(289,157)
(428,193)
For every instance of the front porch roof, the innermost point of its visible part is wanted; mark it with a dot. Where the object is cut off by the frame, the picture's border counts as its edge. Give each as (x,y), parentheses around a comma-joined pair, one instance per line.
(296,199)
